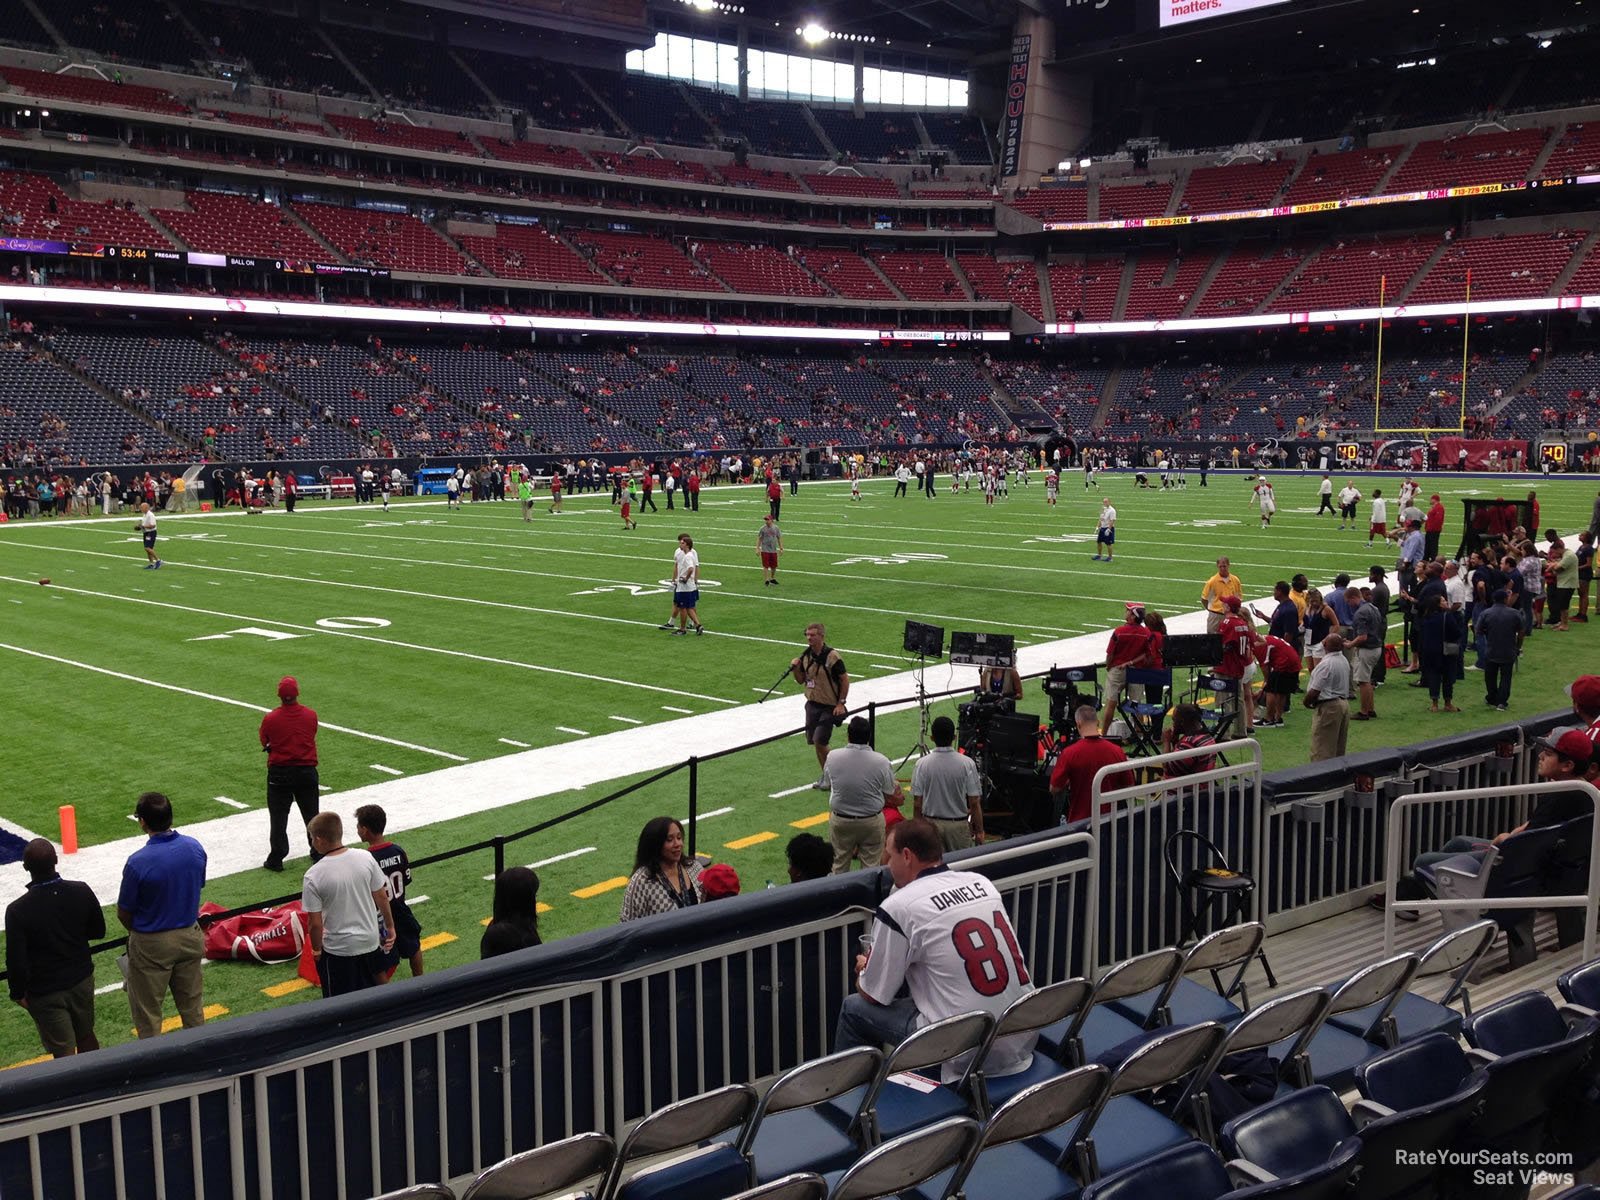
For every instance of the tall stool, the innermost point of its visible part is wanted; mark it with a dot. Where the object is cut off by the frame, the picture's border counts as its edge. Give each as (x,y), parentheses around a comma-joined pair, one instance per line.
(1215,885)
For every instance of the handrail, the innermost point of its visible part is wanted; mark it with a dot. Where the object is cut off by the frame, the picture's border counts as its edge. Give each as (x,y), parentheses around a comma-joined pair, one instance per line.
(1392,864)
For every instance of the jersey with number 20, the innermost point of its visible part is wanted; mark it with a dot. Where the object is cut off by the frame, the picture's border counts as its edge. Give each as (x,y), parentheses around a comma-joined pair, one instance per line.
(946,936)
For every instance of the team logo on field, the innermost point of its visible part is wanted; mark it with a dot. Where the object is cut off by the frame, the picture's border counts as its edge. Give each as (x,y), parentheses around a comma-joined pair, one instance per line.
(898,559)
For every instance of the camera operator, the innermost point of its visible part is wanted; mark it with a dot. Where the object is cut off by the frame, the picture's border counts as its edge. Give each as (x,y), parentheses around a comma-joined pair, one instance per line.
(1003,682)
(821,672)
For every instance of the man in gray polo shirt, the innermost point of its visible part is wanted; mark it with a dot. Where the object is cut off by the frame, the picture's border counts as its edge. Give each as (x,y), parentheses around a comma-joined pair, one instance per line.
(945,789)
(1370,626)
(860,782)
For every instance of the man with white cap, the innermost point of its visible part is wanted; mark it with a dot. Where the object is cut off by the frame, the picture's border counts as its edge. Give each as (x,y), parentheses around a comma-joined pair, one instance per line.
(289,736)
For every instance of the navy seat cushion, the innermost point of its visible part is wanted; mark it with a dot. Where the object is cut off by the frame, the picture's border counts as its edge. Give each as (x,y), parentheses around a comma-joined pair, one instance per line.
(800,1140)
(1102,1029)
(719,1172)
(1001,1088)
(1415,1016)
(1127,1132)
(901,1109)
(1015,1172)
(1191,1003)
(1335,1055)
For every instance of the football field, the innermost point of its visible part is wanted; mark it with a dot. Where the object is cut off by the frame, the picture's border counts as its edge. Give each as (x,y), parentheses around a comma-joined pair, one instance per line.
(461,661)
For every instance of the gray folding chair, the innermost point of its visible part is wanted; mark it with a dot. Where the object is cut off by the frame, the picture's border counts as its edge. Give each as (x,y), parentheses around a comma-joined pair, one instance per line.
(420,1191)
(890,1109)
(1289,1021)
(789,1134)
(907,1161)
(1031,1112)
(802,1185)
(1457,953)
(1185,1002)
(554,1170)
(714,1165)
(1331,1055)
(1096,1026)
(1044,1007)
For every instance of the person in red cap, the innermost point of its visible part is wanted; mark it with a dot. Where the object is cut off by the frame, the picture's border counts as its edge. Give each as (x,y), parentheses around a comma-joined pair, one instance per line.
(718,882)
(1129,647)
(289,736)
(1238,663)
(1585,694)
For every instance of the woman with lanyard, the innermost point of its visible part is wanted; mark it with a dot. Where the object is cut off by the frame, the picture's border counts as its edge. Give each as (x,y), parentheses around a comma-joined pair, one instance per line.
(1003,682)
(662,880)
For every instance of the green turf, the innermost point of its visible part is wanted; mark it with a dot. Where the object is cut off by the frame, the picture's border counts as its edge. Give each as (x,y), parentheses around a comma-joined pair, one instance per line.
(503,630)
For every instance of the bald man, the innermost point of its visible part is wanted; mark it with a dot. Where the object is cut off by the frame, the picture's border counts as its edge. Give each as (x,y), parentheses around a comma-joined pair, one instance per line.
(48,931)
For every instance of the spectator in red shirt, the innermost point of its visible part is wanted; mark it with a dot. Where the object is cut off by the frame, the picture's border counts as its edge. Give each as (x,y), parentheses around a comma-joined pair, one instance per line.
(1432,527)
(289,736)
(1238,660)
(1129,647)
(1072,781)
(691,491)
(1281,661)
(1187,732)
(774,497)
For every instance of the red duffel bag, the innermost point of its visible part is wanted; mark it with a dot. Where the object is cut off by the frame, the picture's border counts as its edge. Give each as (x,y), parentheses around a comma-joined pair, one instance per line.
(273,935)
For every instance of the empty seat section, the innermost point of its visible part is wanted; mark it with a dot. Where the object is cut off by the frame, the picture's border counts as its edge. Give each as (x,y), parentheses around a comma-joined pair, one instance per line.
(652,166)
(960,133)
(1161,401)
(1503,267)
(399,241)
(285,53)
(33,206)
(1273,399)
(643,260)
(920,275)
(1577,152)
(1162,287)
(410,71)
(281,122)
(538,154)
(1013,279)
(1069,395)
(1347,274)
(652,108)
(1234,187)
(50,417)
(529,252)
(1585,280)
(770,127)
(385,132)
(87,89)
(760,178)
(1054,203)
(876,136)
(852,185)
(847,273)
(1503,157)
(1340,176)
(1124,202)
(1246,280)
(756,268)
(1086,291)
(222,223)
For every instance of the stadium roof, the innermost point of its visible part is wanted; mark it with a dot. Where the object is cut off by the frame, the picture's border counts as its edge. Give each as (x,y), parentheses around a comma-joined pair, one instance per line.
(964,27)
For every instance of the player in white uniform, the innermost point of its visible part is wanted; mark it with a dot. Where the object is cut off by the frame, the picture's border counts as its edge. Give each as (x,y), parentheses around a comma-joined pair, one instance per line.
(147,533)
(1267,501)
(1379,528)
(990,486)
(855,482)
(1052,486)
(1349,497)
(1022,470)
(945,936)
(1408,492)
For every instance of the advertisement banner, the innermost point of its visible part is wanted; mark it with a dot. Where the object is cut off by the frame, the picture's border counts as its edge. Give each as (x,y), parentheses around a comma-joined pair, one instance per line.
(1181,12)
(1016,95)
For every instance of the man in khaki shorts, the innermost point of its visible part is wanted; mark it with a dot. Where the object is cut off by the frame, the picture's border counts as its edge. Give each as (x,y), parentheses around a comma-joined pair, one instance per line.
(860,782)
(946,790)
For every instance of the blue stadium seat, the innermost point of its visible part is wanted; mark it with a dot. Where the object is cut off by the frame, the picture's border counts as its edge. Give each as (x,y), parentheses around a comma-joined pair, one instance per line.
(887,1108)
(1289,1021)
(1514,868)
(1096,1027)
(1039,1009)
(1194,1172)
(557,1169)
(1186,1002)
(1458,951)
(802,1185)
(1332,1054)
(789,1134)
(1302,1130)
(713,1168)
(1581,986)
(900,1165)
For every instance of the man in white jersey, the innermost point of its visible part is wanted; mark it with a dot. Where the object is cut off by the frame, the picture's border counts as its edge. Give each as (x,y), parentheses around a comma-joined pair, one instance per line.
(1267,501)
(1105,537)
(944,935)
(1325,496)
(1052,487)
(1379,528)
(1349,497)
(147,532)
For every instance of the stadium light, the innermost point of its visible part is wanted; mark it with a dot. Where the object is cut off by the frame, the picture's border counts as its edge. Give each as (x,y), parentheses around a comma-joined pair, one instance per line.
(1545,43)
(813,34)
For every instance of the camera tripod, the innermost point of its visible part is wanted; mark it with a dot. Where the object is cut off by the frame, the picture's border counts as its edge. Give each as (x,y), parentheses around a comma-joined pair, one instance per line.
(921,749)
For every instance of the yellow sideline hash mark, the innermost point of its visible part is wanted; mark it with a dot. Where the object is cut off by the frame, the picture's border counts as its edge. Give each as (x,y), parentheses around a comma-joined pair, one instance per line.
(278,990)
(755,839)
(598,889)
(808,822)
(435,940)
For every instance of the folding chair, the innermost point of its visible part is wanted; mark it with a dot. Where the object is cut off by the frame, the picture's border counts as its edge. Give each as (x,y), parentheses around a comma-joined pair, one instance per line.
(1145,717)
(1286,1024)
(1052,1004)
(1095,1027)
(1221,714)
(905,1162)
(1186,1002)
(1331,1055)
(1515,867)
(802,1185)
(1459,952)
(713,1166)
(420,1191)
(1200,888)
(789,1133)
(1195,1172)
(556,1169)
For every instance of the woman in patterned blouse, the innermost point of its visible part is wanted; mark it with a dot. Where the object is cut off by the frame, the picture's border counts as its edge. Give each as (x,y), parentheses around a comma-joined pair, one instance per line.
(663,879)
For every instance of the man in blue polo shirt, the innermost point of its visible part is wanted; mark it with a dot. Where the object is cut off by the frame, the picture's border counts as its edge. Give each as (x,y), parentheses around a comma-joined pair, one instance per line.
(158,905)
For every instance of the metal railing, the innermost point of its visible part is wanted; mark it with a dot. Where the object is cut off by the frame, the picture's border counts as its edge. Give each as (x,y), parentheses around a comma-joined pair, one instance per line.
(1523,795)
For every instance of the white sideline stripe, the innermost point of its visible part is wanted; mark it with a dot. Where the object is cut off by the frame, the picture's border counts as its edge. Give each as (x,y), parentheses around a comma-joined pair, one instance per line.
(366,637)
(231,803)
(417,899)
(545,862)
(794,791)
(172,687)
(688,712)
(517,744)
(569,729)
(385,770)
(111,987)
(626,720)
(706,816)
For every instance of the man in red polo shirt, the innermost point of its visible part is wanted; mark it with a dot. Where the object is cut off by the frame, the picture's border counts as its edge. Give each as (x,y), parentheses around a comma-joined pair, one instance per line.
(1072,781)
(1281,662)
(1432,527)
(1129,647)
(289,736)
(774,497)
(1239,640)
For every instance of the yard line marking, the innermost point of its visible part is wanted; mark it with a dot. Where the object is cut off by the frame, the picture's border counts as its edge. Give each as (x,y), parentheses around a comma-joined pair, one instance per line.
(706,816)
(323,787)
(598,889)
(794,791)
(131,817)
(279,990)
(569,729)
(385,770)
(755,839)
(434,940)
(410,900)
(517,744)
(808,822)
(545,862)
(884,666)
(172,687)
(114,987)
(688,712)
(626,720)
(210,1012)
(231,803)
(363,637)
